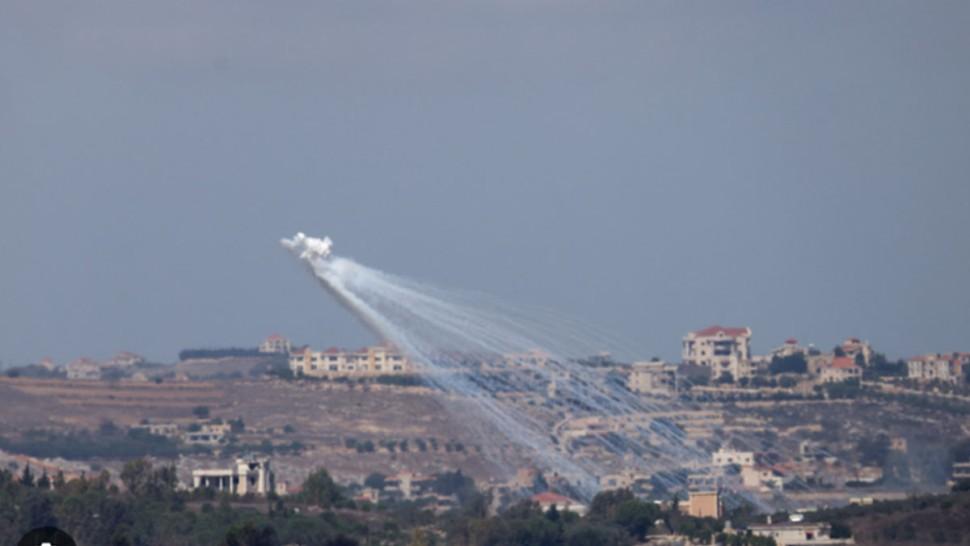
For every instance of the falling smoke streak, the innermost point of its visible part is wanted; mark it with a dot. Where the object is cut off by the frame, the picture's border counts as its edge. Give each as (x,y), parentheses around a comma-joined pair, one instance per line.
(451,336)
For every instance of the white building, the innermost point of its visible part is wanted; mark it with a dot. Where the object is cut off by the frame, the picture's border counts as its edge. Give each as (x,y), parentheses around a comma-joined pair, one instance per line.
(208,435)
(83,368)
(947,368)
(726,457)
(125,359)
(722,349)
(169,430)
(842,368)
(252,475)
(275,344)
(798,533)
(655,377)
(788,348)
(369,361)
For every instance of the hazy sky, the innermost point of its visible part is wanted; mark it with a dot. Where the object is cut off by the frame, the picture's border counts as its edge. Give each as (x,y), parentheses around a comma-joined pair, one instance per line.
(651,167)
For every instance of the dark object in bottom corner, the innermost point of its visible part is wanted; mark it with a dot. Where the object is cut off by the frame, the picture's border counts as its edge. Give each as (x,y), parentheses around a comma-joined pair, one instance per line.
(46,536)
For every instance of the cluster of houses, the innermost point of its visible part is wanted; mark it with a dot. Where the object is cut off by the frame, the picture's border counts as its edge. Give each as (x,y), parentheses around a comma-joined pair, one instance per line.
(211,434)
(86,368)
(726,352)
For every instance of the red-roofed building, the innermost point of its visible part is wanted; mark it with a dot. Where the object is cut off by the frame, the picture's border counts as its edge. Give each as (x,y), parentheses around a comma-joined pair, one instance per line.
(548,499)
(842,368)
(789,348)
(853,347)
(275,344)
(723,349)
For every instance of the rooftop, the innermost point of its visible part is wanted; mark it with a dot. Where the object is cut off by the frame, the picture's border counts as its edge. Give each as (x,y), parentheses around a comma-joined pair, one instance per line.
(843,363)
(729,331)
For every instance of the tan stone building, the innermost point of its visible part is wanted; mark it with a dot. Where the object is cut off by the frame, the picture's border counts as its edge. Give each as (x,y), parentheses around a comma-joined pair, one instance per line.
(948,368)
(368,361)
(703,504)
(853,347)
(83,368)
(656,377)
(722,349)
(842,368)
(275,344)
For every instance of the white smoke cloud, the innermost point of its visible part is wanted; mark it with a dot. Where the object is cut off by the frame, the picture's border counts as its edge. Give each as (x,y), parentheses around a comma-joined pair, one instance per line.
(308,248)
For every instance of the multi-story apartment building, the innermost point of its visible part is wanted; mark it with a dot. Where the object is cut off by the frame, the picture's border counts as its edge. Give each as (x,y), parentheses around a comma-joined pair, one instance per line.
(853,347)
(948,368)
(275,344)
(655,377)
(368,361)
(247,476)
(722,349)
(788,348)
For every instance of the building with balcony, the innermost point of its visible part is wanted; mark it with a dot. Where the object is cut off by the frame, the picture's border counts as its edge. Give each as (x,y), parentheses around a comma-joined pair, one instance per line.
(275,344)
(853,347)
(948,368)
(842,368)
(722,349)
(655,377)
(726,457)
(332,363)
(248,476)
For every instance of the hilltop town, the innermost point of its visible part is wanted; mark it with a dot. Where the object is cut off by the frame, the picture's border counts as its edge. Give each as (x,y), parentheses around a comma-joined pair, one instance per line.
(811,428)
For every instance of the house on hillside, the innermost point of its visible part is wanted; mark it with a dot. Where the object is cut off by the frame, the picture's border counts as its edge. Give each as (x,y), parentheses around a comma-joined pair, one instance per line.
(83,368)
(725,350)
(248,476)
(798,533)
(857,349)
(655,378)
(125,359)
(275,344)
(948,367)
(842,368)
(562,503)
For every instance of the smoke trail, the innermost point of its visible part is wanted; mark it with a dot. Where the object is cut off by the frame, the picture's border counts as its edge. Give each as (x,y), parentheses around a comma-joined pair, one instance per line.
(495,356)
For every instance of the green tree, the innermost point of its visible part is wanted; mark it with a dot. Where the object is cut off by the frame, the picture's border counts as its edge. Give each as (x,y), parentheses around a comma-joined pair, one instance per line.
(588,534)
(27,477)
(375,480)
(251,534)
(202,412)
(44,482)
(636,517)
(320,489)
(794,363)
